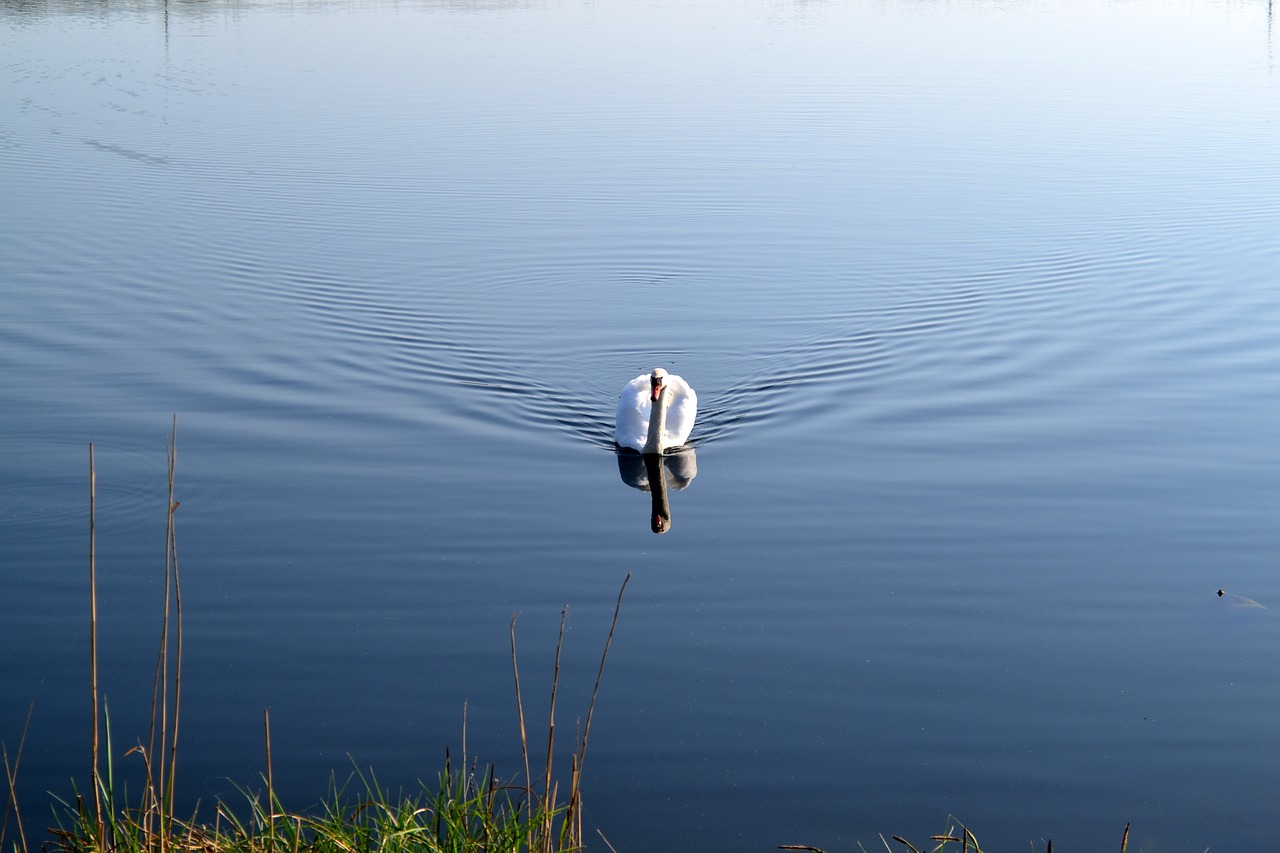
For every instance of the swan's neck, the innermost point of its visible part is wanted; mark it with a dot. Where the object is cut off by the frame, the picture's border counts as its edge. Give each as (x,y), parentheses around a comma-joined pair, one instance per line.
(660,518)
(657,422)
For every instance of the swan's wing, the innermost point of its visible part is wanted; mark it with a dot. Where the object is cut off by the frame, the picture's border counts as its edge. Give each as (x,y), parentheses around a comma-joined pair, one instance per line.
(632,423)
(681,413)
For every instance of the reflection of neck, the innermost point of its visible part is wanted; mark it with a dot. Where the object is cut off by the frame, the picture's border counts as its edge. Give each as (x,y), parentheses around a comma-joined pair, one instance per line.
(657,423)
(660,517)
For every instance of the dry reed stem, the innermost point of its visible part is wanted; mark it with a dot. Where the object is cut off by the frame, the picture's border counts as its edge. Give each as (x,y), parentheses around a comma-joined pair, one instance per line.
(93,641)
(171,559)
(574,813)
(11,776)
(271,788)
(612,849)
(909,845)
(464,733)
(548,797)
(524,738)
(153,804)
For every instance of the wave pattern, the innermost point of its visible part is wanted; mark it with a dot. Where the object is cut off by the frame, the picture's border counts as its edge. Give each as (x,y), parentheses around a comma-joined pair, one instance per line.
(417,348)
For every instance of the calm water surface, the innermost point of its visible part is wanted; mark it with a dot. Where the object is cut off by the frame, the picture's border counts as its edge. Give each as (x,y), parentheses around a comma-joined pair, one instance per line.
(981,301)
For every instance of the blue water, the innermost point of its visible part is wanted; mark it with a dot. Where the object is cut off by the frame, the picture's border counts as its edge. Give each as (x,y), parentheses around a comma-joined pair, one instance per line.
(980,301)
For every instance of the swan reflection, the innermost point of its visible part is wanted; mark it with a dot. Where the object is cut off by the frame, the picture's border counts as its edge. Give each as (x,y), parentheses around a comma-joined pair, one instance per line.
(656,474)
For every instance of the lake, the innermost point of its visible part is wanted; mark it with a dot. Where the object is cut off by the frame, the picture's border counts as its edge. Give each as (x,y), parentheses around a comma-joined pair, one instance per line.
(981,301)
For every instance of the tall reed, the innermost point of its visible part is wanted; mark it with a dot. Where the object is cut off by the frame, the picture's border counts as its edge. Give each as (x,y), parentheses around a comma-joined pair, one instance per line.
(93,639)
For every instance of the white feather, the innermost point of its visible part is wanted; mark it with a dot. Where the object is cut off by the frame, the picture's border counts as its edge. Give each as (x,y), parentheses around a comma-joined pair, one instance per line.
(635,409)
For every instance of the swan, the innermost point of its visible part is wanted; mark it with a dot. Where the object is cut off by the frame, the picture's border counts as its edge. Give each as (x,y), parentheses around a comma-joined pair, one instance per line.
(655,412)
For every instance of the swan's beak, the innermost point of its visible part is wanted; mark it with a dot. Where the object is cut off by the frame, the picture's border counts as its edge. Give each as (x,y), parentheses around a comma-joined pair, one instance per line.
(656,389)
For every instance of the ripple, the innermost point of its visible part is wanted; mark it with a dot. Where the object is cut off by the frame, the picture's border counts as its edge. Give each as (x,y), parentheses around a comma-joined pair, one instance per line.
(33,497)
(1025,331)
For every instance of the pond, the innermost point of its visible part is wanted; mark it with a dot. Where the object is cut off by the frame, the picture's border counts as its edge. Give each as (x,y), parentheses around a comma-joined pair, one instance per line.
(980,301)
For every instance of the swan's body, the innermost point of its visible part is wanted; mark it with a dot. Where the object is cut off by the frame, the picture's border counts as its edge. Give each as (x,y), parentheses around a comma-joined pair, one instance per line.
(655,412)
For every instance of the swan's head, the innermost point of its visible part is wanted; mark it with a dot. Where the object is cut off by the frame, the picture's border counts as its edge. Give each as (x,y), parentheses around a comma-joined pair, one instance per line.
(656,382)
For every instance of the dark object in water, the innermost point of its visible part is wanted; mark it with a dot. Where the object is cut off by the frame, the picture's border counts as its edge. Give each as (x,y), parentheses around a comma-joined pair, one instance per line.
(1239,600)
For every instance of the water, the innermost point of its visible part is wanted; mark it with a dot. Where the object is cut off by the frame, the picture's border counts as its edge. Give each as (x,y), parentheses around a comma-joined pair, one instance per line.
(980,301)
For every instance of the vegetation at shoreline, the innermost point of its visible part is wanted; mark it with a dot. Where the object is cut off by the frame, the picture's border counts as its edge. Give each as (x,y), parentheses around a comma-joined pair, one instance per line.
(467,810)
(945,842)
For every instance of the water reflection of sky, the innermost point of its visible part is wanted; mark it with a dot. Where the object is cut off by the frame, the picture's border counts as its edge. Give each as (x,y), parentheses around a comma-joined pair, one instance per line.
(978,300)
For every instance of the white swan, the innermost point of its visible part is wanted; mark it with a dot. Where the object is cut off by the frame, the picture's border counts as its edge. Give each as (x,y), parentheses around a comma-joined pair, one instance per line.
(655,412)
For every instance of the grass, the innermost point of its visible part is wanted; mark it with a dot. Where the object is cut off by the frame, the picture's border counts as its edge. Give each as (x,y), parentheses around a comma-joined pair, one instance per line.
(947,842)
(467,809)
